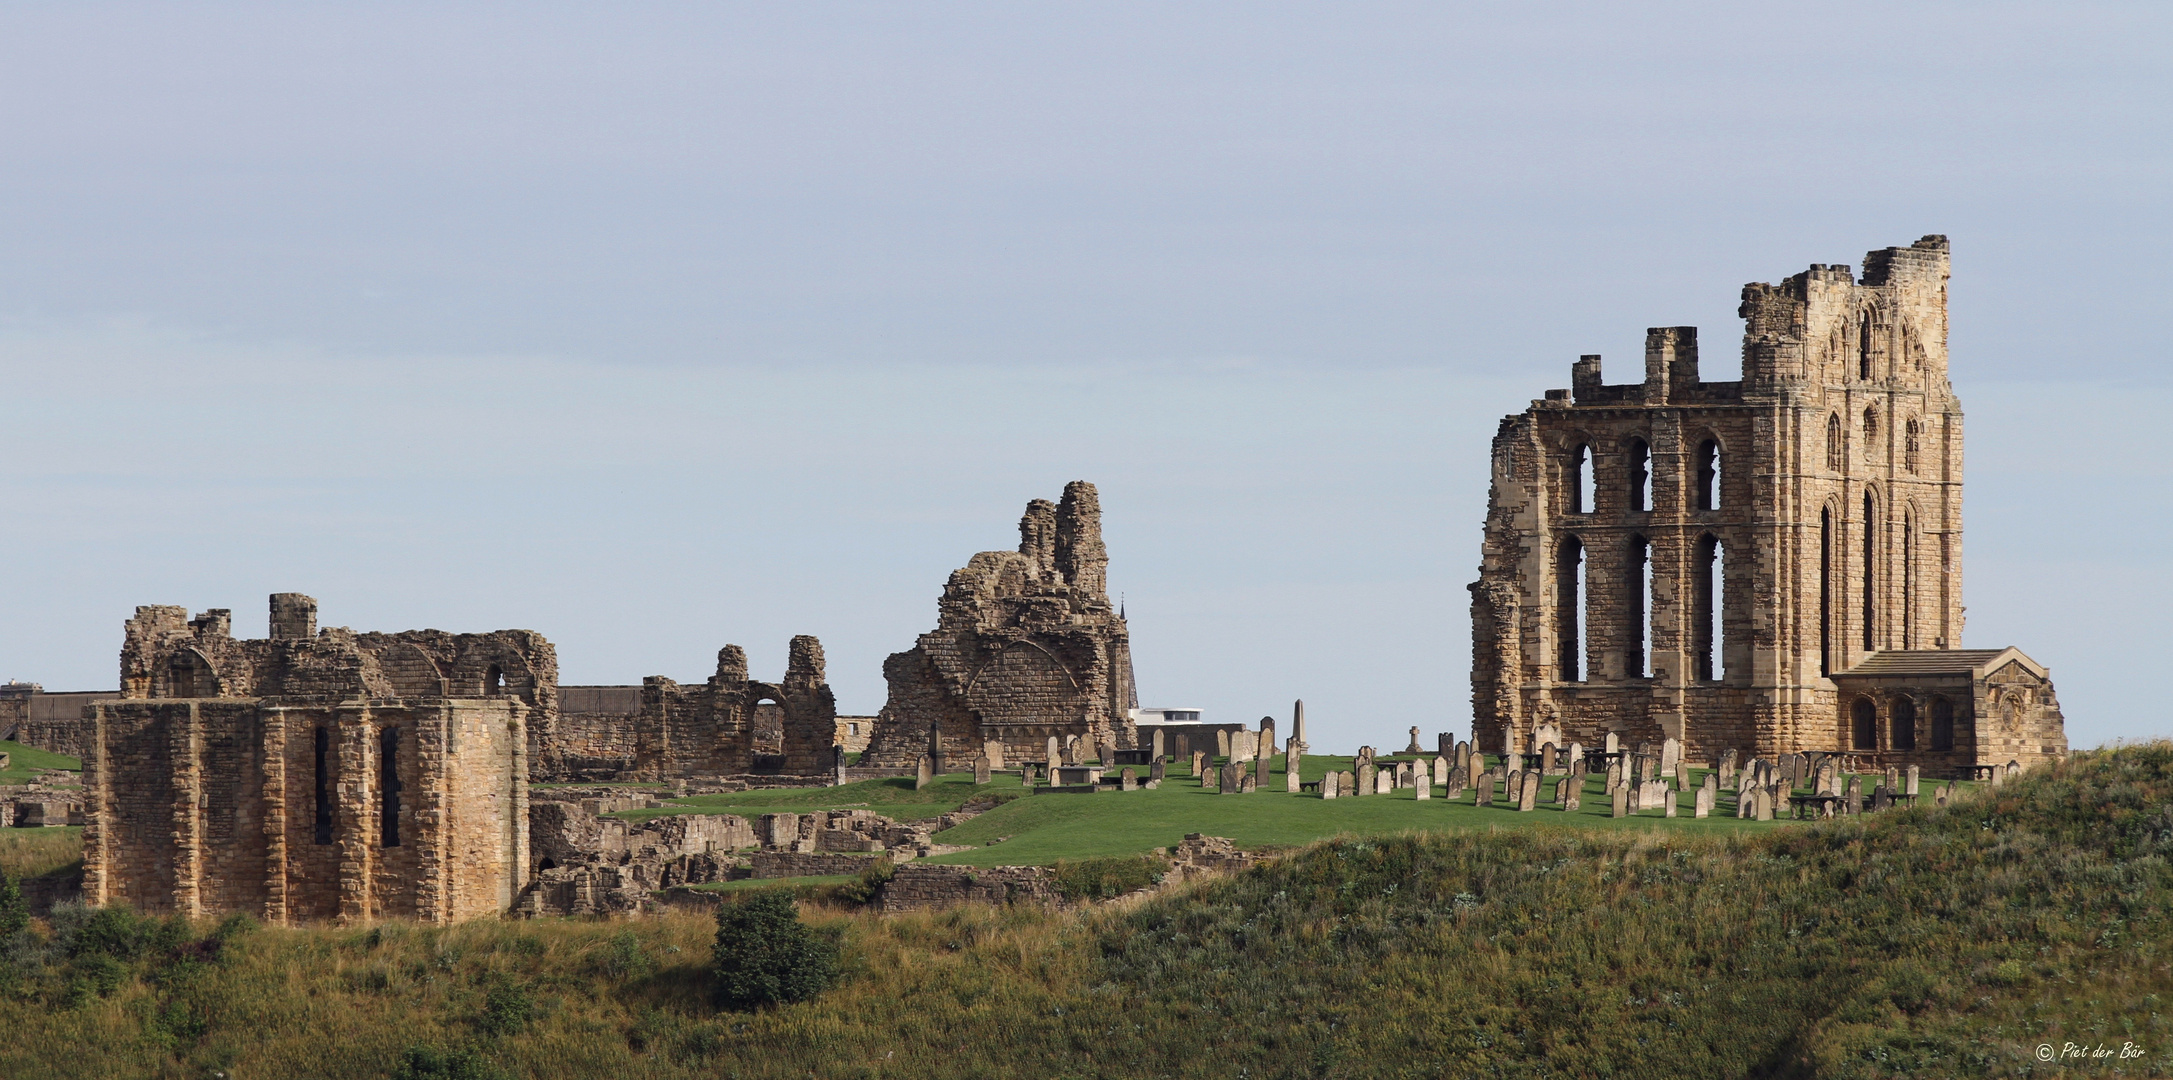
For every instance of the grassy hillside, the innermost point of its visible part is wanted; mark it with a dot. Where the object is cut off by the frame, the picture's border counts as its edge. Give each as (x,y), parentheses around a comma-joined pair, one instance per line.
(25,761)
(1921,942)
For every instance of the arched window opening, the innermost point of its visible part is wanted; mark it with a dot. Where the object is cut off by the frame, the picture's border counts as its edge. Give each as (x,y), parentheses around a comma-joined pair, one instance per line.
(1866,725)
(1640,476)
(1909,439)
(1705,608)
(388,787)
(1908,581)
(1903,725)
(494,682)
(1581,494)
(1709,475)
(1942,724)
(1637,590)
(1871,434)
(1863,348)
(1825,591)
(1569,609)
(1871,573)
(324,787)
(1833,442)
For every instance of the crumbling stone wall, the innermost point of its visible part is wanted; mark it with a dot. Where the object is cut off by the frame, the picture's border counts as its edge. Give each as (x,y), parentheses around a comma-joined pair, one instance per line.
(313,775)
(49,721)
(1026,646)
(1836,534)
(921,885)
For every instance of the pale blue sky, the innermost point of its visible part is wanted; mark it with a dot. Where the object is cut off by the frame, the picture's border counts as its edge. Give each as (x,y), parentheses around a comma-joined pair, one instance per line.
(658,327)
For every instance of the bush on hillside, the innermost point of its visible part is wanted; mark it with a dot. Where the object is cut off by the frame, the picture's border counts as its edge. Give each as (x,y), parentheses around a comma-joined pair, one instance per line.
(765,956)
(460,1063)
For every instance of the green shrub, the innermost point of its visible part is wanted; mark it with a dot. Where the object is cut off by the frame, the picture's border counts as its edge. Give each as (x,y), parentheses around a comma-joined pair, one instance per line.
(765,956)
(460,1063)
(1102,879)
(14,914)
(863,890)
(507,1009)
(117,931)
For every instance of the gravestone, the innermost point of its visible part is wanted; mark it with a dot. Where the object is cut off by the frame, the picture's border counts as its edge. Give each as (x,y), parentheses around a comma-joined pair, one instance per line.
(1365,778)
(1056,753)
(993,750)
(1441,769)
(2014,769)
(1199,766)
(1702,805)
(1827,785)
(1071,750)
(1614,744)
(1561,791)
(1458,781)
(1267,739)
(1911,783)
(1856,795)
(1292,758)
(1528,793)
(1656,795)
(924,773)
(1939,793)
(1547,764)
(1245,783)
(1222,743)
(980,769)
(1576,759)
(1414,747)
(1727,766)
(1482,793)
(1765,803)
(1637,797)
(1880,800)
(1403,775)
(1622,801)
(1424,789)
(1128,780)
(1614,775)
(1445,744)
(1384,781)
(1260,767)
(1161,743)
(1244,745)
(1743,803)
(1026,774)
(1329,783)
(1156,769)
(1893,780)
(1571,799)
(1670,753)
(1669,802)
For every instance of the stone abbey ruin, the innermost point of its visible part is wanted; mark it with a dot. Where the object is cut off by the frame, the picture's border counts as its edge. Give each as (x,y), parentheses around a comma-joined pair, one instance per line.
(1764,575)
(1773,563)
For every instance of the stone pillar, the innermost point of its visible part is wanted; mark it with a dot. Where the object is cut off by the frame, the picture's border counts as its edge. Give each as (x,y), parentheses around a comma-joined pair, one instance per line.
(272,761)
(184,750)
(354,814)
(1297,724)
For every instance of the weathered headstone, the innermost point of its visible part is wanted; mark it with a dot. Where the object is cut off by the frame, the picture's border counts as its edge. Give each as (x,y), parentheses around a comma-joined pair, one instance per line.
(1458,781)
(981,769)
(1441,769)
(1424,788)
(1292,758)
(1561,790)
(1547,763)
(1637,797)
(1267,738)
(1161,744)
(1403,775)
(924,773)
(1575,764)
(1856,795)
(1073,751)
(1571,799)
(1384,781)
(1669,800)
(1880,799)
(1233,775)
(1765,803)
(1702,804)
(2014,769)
(1893,780)
(1199,766)
(1157,769)
(1528,793)
(1910,784)
(1222,743)
(1727,766)
(1670,752)
(1056,753)
(1365,778)
(1482,793)
(1329,784)
(1614,744)
(1657,795)
(1682,774)
(1128,780)
(1261,765)
(1614,775)
(1939,793)
(1026,774)
(1246,785)
(1622,801)
(1445,744)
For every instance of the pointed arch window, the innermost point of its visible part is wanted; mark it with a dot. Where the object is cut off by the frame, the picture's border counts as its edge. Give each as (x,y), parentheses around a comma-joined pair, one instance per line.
(1581,467)
(1708,493)
(1909,437)
(1637,593)
(1871,434)
(1707,581)
(1863,348)
(1825,591)
(1569,609)
(1833,442)
(1640,476)
(1871,572)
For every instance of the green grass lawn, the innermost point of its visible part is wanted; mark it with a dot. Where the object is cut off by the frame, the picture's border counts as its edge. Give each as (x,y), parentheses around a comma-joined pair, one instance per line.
(25,761)
(1041,829)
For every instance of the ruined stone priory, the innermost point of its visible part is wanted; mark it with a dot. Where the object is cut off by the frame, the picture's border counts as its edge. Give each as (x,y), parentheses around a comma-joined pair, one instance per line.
(1026,647)
(1772,564)
(314,774)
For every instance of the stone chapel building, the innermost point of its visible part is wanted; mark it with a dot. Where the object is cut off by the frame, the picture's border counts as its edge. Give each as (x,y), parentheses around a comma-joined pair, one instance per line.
(1772,564)
(314,775)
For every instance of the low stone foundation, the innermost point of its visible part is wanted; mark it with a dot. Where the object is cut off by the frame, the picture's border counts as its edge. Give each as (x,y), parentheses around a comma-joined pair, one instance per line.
(918,886)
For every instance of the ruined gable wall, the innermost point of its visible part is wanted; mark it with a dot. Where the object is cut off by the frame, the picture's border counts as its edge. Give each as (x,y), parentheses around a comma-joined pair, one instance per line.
(1026,646)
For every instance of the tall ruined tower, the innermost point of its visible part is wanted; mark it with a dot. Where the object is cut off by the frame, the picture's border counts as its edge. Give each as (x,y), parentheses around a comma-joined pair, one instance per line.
(1692,559)
(1026,646)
